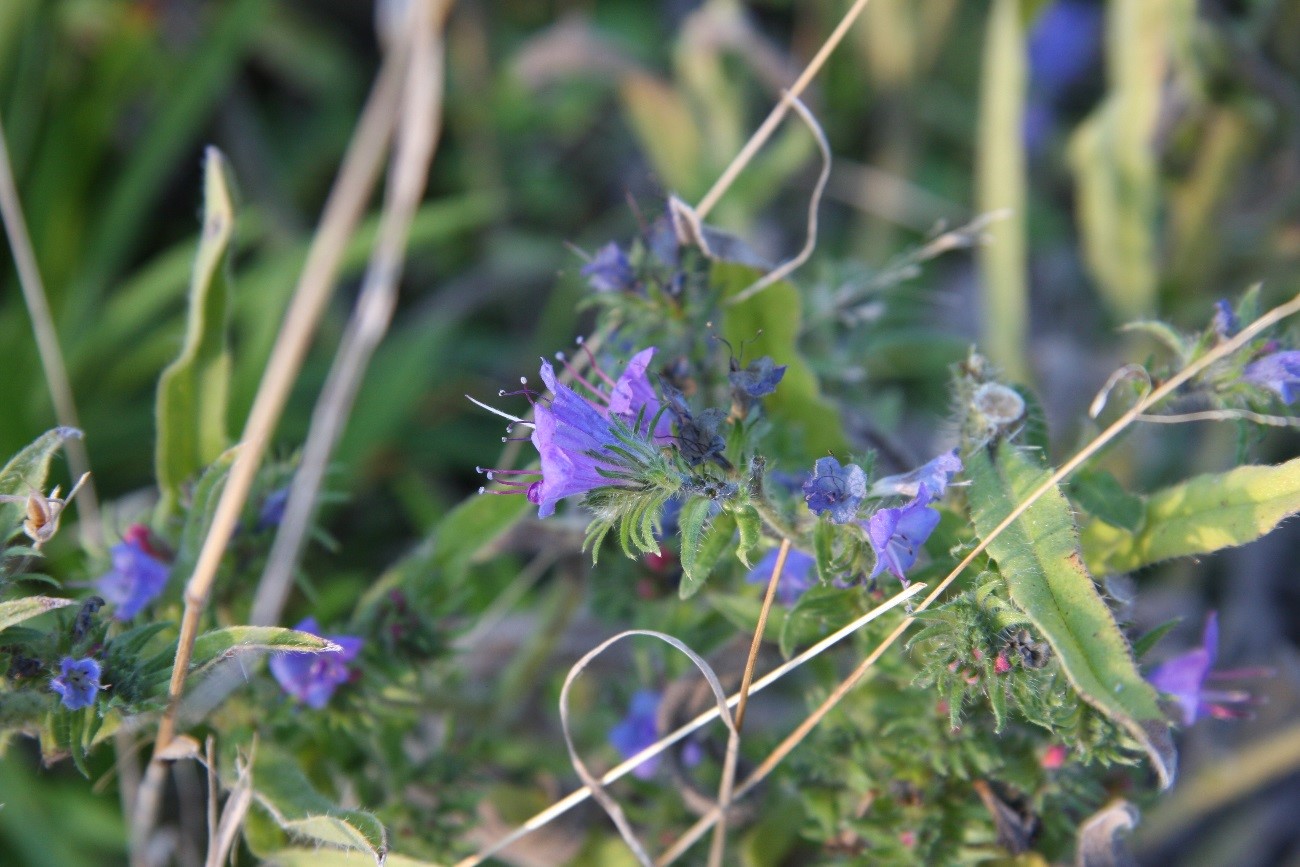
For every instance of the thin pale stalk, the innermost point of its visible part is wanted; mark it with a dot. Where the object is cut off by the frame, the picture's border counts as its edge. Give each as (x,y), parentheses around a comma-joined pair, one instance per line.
(619,771)
(47,344)
(343,210)
(417,136)
(1149,400)
(778,113)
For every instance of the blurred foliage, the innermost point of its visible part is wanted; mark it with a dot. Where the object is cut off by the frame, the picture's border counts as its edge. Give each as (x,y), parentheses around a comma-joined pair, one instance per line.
(1153,159)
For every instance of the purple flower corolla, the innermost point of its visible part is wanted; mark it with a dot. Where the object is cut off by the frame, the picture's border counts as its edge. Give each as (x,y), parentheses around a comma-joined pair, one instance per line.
(272,511)
(897,535)
(835,489)
(759,379)
(1278,372)
(77,683)
(137,576)
(640,729)
(933,476)
(609,270)
(1184,678)
(1225,322)
(632,395)
(1064,45)
(311,678)
(797,576)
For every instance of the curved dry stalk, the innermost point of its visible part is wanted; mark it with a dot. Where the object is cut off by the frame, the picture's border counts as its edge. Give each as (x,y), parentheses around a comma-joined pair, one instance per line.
(621,770)
(1223,415)
(785,269)
(343,210)
(774,118)
(594,785)
(47,345)
(1148,400)
(417,136)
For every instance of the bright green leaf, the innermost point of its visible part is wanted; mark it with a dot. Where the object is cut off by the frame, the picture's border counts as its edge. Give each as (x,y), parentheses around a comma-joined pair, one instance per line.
(220,643)
(1039,558)
(1100,494)
(692,521)
(18,610)
(193,390)
(1204,514)
(288,796)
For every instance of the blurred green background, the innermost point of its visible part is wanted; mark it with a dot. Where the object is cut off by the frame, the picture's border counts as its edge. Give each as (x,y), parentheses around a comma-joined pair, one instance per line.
(1149,153)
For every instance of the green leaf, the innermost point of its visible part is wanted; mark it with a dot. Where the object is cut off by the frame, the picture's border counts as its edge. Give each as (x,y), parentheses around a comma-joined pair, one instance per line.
(1001,186)
(768,324)
(824,533)
(1039,558)
(303,857)
(472,527)
(691,521)
(18,610)
(26,472)
(288,796)
(1204,514)
(221,643)
(1100,494)
(194,389)
(820,611)
(750,525)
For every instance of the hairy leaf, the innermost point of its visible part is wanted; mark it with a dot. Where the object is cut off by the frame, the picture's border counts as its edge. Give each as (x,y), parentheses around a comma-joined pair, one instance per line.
(220,643)
(193,390)
(18,610)
(692,522)
(1204,514)
(1100,494)
(1039,558)
(287,795)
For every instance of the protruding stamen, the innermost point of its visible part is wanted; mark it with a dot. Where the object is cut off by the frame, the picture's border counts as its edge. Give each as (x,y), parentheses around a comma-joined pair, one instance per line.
(495,411)
(594,366)
(578,377)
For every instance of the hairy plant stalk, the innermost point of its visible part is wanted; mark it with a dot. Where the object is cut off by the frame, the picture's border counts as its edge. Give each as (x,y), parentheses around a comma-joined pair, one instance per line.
(343,209)
(417,136)
(47,346)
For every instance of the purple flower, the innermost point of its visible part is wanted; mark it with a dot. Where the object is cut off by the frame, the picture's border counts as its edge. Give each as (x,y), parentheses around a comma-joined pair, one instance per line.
(633,395)
(1225,322)
(640,729)
(272,511)
(1064,45)
(1184,678)
(835,489)
(575,437)
(137,577)
(1278,371)
(78,682)
(933,476)
(897,535)
(311,678)
(759,378)
(797,576)
(609,270)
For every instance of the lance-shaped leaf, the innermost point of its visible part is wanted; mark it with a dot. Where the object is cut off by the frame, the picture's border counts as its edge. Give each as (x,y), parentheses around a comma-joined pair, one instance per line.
(26,472)
(284,791)
(18,610)
(703,543)
(307,857)
(1204,514)
(220,643)
(193,390)
(1038,556)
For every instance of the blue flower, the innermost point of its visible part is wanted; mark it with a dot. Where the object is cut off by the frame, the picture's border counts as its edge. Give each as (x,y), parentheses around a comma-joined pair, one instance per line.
(640,729)
(1278,371)
(933,476)
(759,378)
(897,535)
(1225,322)
(1184,678)
(835,489)
(272,511)
(137,577)
(609,270)
(311,678)
(1064,45)
(798,575)
(78,682)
